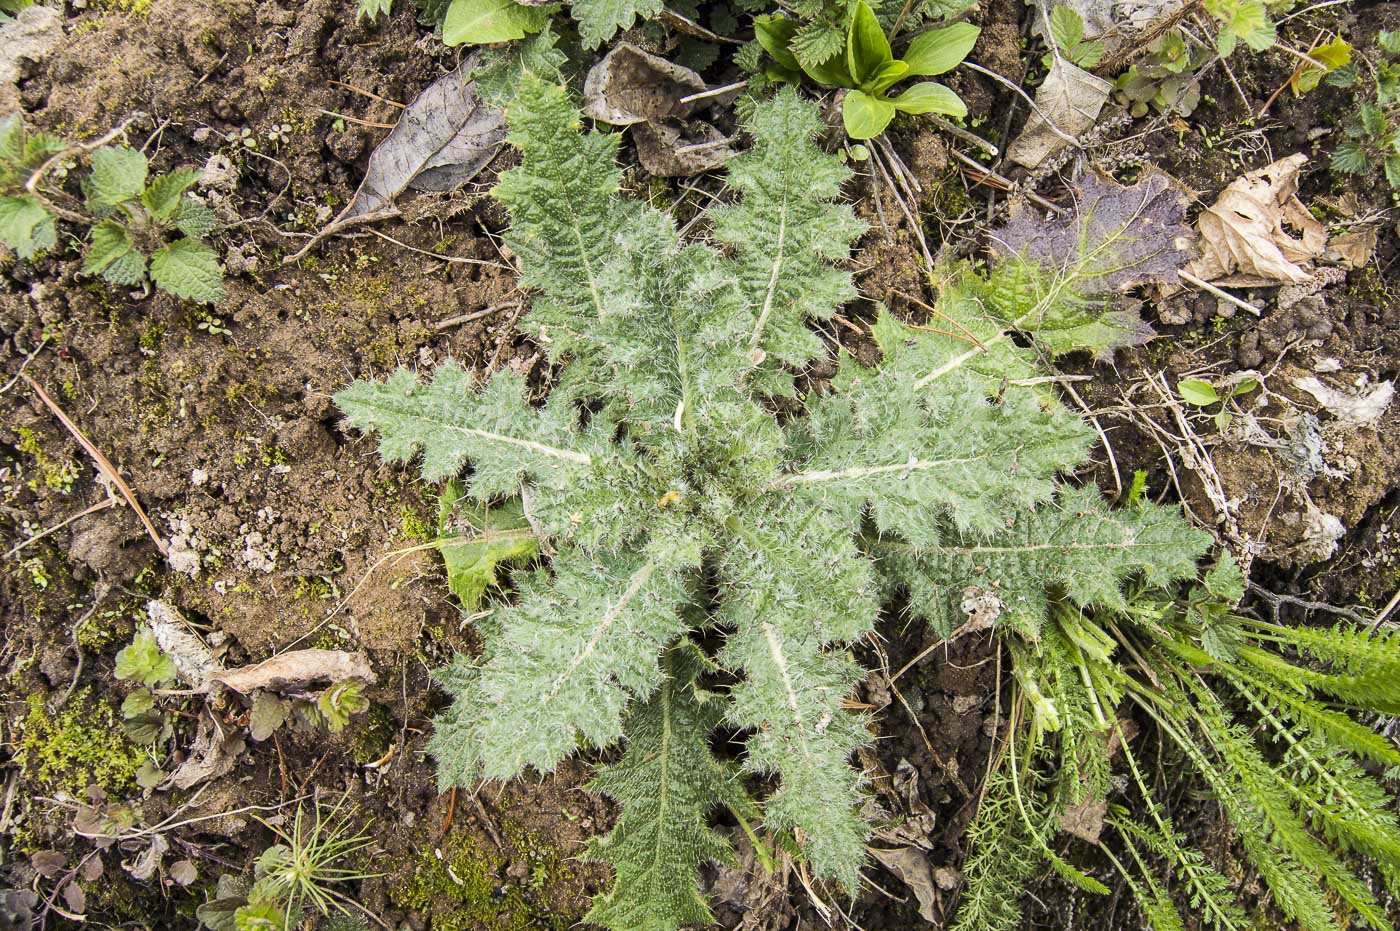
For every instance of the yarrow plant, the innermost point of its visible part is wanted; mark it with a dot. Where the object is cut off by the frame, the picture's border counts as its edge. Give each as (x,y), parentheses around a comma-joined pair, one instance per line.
(677,512)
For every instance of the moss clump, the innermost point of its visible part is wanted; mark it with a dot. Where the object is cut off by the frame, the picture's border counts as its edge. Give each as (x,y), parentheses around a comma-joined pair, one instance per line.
(372,736)
(80,746)
(461,889)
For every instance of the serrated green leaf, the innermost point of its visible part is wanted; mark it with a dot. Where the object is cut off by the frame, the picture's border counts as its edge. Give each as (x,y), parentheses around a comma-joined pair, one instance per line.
(667,783)
(189,269)
(480,541)
(165,193)
(193,218)
(118,176)
(1350,158)
(26,226)
(941,50)
(372,9)
(110,243)
(600,20)
(1066,27)
(143,661)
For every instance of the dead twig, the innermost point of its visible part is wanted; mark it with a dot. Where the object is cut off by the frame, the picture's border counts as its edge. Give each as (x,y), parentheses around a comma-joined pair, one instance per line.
(474,315)
(370,94)
(337,226)
(99,506)
(104,465)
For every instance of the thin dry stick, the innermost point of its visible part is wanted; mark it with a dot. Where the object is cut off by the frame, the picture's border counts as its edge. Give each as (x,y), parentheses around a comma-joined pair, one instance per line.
(999,178)
(104,465)
(1218,292)
(337,226)
(474,315)
(370,94)
(953,129)
(1054,128)
(449,259)
(355,119)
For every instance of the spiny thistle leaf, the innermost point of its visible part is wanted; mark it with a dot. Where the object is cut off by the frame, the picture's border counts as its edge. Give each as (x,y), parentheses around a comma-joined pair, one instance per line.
(564,663)
(450,420)
(786,232)
(667,782)
(1076,542)
(914,452)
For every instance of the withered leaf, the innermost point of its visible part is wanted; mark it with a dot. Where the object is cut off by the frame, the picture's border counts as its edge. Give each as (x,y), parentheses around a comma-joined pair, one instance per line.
(148,861)
(183,873)
(75,898)
(441,141)
(269,713)
(194,662)
(297,668)
(1085,820)
(1070,271)
(91,870)
(212,755)
(632,86)
(1245,235)
(48,863)
(911,866)
(1073,99)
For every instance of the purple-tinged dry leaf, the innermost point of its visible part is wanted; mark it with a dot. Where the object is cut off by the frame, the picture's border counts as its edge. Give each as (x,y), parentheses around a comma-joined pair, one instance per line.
(91,870)
(145,865)
(1061,278)
(48,863)
(1114,238)
(76,899)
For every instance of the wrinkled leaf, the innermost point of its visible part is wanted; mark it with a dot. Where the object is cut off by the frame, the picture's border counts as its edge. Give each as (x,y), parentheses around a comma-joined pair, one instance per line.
(1245,235)
(632,86)
(441,141)
(188,269)
(491,538)
(268,714)
(681,148)
(1116,238)
(194,662)
(146,864)
(911,866)
(75,898)
(212,754)
(1085,820)
(1070,97)
(296,668)
(1351,408)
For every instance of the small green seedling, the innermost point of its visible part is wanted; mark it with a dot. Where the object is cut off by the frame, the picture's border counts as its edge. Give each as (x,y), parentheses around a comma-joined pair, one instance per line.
(1373,135)
(870,71)
(137,219)
(143,661)
(1203,394)
(1067,32)
(339,702)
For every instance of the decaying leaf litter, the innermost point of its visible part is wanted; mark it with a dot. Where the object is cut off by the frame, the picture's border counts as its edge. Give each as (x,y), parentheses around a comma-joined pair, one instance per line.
(1316,424)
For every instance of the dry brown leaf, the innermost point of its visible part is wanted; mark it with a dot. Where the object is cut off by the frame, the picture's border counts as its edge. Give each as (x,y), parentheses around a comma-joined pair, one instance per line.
(1356,247)
(632,86)
(911,866)
(1085,820)
(212,754)
(295,669)
(1247,236)
(1072,98)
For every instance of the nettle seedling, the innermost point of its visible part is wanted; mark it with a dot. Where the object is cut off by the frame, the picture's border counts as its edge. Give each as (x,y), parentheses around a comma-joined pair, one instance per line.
(142,229)
(1373,134)
(1203,394)
(870,71)
(710,564)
